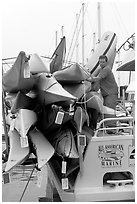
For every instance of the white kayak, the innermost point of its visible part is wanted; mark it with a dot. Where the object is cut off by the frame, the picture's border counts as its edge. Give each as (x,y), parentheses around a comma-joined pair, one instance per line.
(95,101)
(50,91)
(71,74)
(43,148)
(18,78)
(24,120)
(107,46)
(78,90)
(37,65)
(16,154)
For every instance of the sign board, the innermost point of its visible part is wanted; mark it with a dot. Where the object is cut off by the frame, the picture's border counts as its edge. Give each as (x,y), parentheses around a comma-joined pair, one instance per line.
(111,155)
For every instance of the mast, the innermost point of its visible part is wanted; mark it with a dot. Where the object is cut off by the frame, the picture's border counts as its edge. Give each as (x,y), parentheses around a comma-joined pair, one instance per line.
(99,23)
(62,31)
(83,34)
(56,39)
(94,42)
(77,44)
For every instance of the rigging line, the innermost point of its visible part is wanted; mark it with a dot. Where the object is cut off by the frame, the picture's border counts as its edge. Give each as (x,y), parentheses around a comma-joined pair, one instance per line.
(64,60)
(67,37)
(77,35)
(75,43)
(121,20)
(10,58)
(51,45)
(89,20)
(46,57)
(117,22)
(90,38)
(27,184)
(73,35)
(94,32)
(6,64)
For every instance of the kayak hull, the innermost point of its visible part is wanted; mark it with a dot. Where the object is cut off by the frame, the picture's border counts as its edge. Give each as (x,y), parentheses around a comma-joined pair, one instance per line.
(16,154)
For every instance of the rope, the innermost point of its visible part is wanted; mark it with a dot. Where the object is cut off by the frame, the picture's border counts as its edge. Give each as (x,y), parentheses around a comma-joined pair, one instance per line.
(85,96)
(83,102)
(80,128)
(27,184)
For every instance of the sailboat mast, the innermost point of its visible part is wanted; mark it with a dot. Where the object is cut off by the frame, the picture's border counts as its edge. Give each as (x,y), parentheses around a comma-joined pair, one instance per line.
(56,39)
(77,44)
(99,23)
(94,42)
(62,31)
(83,34)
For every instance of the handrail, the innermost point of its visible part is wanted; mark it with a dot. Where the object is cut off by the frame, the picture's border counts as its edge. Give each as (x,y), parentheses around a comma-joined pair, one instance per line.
(120,182)
(114,128)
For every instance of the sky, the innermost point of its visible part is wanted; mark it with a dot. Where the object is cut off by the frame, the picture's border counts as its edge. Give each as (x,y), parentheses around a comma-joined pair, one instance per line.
(31,25)
(34,25)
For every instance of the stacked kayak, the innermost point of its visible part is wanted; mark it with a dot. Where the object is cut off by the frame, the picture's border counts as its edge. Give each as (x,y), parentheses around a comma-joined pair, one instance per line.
(48,106)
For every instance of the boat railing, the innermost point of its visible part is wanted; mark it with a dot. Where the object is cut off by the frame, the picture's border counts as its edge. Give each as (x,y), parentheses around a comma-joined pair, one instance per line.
(118,127)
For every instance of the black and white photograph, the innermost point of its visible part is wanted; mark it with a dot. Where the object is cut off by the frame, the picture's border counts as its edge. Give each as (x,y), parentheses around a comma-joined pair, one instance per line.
(68,100)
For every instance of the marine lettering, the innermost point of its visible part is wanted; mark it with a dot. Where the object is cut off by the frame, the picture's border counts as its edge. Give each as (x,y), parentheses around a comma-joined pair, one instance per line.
(111,163)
